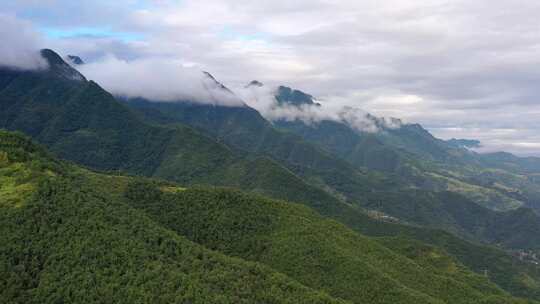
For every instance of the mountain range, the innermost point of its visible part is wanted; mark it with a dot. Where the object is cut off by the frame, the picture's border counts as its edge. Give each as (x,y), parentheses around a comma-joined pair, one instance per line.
(126,204)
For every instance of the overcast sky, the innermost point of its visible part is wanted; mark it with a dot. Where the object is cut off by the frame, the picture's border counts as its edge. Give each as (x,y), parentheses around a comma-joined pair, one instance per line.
(466,69)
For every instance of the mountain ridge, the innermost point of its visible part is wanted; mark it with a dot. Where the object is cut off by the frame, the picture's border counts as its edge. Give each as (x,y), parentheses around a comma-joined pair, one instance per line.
(235,146)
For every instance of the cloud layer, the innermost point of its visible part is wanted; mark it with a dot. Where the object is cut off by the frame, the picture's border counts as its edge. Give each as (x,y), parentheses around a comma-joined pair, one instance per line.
(263,99)
(461,68)
(158,80)
(20,44)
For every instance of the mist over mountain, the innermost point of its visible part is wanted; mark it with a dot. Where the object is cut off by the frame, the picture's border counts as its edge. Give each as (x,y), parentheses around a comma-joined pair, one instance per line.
(20,49)
(466,143)
(162,80)
(284,103)
(159,79)
(76,60)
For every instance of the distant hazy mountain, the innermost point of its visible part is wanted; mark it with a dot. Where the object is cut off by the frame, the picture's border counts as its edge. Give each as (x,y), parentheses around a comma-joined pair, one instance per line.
(75,59)
(286,95)
(466,143)
(412,152)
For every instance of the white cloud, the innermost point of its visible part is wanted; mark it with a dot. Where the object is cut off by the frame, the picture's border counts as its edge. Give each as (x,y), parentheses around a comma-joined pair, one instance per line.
(520,141)
(442,63)
(159,80)
(20,44)
(262,98)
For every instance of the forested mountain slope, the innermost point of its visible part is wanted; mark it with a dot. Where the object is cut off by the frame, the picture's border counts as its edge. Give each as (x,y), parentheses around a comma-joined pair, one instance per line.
(78,236)
(318,252)
(64,241)
(394,193)
(79,121)
(498,181)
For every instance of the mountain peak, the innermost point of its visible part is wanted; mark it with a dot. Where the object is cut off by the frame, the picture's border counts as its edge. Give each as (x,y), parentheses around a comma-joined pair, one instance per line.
(207,74)
(254,83)
(216,83)
(59,68)
(213,86)
(286,95)
(52,57)
(76,60)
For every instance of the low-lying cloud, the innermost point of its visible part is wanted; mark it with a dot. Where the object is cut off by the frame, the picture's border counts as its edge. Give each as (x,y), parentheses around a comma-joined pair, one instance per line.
(20,44)
(158,80)
(522,141)
(449,65)
(263,99)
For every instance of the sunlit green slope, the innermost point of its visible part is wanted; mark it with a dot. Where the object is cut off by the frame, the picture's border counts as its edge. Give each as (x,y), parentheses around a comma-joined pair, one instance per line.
(63,241)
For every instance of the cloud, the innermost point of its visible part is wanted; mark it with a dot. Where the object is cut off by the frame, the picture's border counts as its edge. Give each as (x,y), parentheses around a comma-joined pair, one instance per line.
(158,80)
(20,44)
(521,141)
(262,98)
(444,64)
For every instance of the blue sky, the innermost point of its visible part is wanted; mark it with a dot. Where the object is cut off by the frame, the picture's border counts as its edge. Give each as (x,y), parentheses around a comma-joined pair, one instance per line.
(90,32)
